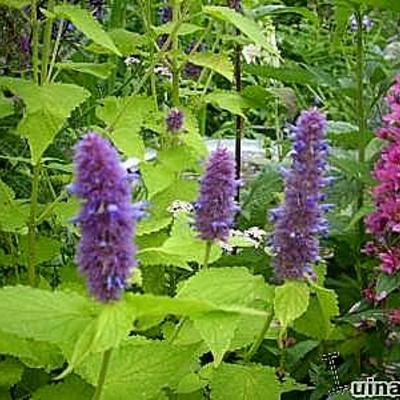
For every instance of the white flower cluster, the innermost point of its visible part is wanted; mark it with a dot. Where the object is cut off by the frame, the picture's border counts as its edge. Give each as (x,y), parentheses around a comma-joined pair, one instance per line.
(180,206)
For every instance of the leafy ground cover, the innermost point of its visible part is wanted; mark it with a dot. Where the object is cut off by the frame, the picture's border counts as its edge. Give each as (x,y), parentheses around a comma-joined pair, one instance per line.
(136,261)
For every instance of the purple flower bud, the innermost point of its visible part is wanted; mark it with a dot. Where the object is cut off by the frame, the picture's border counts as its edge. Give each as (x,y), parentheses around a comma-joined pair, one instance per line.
(300,219)
(107,218)
(215,208)
(174,120)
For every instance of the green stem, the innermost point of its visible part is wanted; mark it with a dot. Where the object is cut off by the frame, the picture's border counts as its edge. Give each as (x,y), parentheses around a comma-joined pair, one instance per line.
(175,49)
(32,226)
(360,101)
(55,50)
(207,254)
(256,345)
(47,42)
(35,41)
(177,330)
(102,374)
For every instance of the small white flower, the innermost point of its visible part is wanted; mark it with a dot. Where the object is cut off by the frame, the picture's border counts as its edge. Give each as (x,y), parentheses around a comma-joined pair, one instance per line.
(251,52)
(131,60)
(226,247)
(162,71)
(180,206)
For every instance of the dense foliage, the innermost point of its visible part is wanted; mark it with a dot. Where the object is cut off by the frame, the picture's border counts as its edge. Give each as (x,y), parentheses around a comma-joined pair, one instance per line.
(199,199)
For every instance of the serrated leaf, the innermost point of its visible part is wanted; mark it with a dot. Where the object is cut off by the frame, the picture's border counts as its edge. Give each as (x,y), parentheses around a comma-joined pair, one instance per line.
(246,25)
(86,23)
(157,177)
(54,317)
(32,353)
(316,322)
(183,246)
(184,29)
(6,107)
(15,3)
(230,101)
(72,388)
(44,116)
(141,369)
(246,382)
(101,70)
(291,301)
(46,249)
(289,74)
(218,63)
(223,286)
(10,372)
(125,117)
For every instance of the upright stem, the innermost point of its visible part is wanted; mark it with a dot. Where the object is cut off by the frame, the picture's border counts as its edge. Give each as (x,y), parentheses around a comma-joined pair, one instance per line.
(239,119)
(47,42)
(256,345)
(207,254)
(174,61)
(360,100)
(102,374)
(35,41)
(32,226)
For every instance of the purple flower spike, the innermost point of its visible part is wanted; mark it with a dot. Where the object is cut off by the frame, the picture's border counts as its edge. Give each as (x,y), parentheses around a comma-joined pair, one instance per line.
(300,219)
(107,218)
(216,208)
(174,120)
(384,222)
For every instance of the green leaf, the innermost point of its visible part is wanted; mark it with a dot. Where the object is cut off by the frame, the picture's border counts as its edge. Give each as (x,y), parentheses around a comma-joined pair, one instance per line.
(125,117)
(218,63)
(46,249)
(230,101)
(297,352)
(15,3)
(139,369)
(156,177)
(6,107)
(387,283)
(184,29)
(101,70)
(225,287)
(290,74)
(246,25)
(383,4)
(10,372)
(72,388)
(246,382)
(87,24)
(32,353)
(44,117)
(291,301)
(14,215)
(112,325)
(182,247)
(316,322)
(160,217)
(277,9)
(42,315)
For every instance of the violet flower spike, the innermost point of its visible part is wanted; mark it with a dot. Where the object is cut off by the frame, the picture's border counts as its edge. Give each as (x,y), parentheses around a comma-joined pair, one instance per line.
(107,218)
(300,219)
(216,207)
(174,120)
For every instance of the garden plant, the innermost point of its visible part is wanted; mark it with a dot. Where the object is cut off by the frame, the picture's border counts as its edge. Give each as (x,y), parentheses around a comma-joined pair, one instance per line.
(199,199)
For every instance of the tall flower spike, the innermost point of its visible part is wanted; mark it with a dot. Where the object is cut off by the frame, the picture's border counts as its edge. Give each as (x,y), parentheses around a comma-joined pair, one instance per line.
(215,208)
(107,218)
(301,218)
(384,222)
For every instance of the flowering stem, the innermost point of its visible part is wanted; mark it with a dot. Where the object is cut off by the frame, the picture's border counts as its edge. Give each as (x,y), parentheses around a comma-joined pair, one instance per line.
(207,254)
(360,101)
(32,226)
(102,374)
(35,41)
(47,42)
(239,119)
(256,345)
(174,61)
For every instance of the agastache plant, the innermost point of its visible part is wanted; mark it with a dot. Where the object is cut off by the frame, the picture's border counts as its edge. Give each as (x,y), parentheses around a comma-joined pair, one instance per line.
(384,222)
(300,219)
(107,218)
(215,207)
